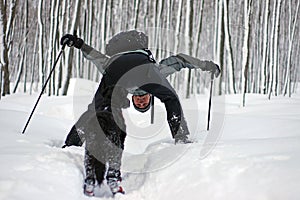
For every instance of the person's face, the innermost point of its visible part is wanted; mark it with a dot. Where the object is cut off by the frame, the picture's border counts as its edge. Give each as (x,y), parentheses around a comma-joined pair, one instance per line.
(141,101)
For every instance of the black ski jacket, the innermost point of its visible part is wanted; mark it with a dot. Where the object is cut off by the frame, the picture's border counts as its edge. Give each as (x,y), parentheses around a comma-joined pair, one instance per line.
(166,66)
(124,73)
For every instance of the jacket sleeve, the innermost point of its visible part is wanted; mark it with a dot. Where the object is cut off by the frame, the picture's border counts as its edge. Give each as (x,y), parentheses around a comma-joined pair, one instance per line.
(175,63)
(95,56)
(158,86)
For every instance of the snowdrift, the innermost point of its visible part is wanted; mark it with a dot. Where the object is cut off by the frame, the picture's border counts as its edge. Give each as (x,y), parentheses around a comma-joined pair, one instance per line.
(250,153)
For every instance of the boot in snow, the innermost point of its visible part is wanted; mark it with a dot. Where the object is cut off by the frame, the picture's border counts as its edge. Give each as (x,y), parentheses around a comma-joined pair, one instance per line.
(113,181)
(88,188)
(182,140)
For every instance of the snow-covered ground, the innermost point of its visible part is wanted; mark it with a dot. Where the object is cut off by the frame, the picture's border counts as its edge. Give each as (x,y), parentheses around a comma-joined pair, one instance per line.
(250,153)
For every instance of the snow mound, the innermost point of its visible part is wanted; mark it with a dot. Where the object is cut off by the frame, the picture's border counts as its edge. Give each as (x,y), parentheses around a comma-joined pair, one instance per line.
(254,153)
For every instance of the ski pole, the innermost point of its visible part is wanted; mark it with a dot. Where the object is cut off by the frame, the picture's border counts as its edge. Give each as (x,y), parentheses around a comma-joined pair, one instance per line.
(44,87)
(152,110)
(210,97)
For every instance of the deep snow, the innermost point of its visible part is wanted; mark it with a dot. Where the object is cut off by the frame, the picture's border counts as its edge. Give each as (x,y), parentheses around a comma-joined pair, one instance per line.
(250,153)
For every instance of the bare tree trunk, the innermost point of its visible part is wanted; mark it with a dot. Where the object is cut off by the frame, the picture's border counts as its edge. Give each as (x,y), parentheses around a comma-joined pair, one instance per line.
(296,71)
(4,70)
(10,21)
(103,26)
(276,41)
(197,39)
(5,30)
(108,25)
(189,37)
(124,19)
(25,44)
(257,49)
(61,30)
(272,66)
(41,43)
(158,39)
(245,57)
(51,42)
(219,42)
(71,52)
(120,9)
(169,21)
(265,48)
(297,63)
(56,44)
(216,32)
(177,28)
(20,71)
(287,85)
(199,28)
(228,46)
(136,13)
(88,65)
(33,64)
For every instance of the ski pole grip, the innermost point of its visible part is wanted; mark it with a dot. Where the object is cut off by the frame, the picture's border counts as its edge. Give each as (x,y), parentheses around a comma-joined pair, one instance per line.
(63,46)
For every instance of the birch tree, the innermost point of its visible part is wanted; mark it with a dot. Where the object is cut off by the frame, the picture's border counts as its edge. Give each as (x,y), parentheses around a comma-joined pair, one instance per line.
(25,43)
(245,56)
(61,25)
(177,28)
(41,43)
(292,25)
(272,41)
(6,23)
(264,49)
(230,67)
(189,36)
(219,40)
(51,51)
(198,27)
(136,13)
(33,63)
(20,70)
(276,41)
(71,50)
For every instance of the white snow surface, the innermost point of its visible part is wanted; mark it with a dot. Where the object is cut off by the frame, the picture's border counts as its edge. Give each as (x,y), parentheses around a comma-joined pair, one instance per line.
(249,153)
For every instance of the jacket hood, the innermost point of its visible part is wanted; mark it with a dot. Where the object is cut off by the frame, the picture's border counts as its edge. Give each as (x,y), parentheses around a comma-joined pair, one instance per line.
(126,41)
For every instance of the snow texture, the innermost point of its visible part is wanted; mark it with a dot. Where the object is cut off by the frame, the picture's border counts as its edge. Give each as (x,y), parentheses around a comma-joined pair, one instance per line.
(256,155)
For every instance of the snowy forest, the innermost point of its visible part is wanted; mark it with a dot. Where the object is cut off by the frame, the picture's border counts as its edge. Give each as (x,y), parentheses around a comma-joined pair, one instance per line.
(256,43)
(244,125)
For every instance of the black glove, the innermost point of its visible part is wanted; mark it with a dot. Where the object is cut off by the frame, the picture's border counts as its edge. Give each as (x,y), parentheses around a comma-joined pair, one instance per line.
(217,71)
(73,138)
(71,40)
(213,68)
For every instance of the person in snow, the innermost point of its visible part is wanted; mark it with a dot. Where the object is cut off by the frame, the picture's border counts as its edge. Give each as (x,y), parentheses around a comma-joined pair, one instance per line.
(127,67)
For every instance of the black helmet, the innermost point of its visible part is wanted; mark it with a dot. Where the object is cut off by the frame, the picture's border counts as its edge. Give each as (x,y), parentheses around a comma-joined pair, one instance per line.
(142,110)
(126,41)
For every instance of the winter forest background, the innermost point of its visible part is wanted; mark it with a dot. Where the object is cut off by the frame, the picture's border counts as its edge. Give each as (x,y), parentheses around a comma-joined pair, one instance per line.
(256,43)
